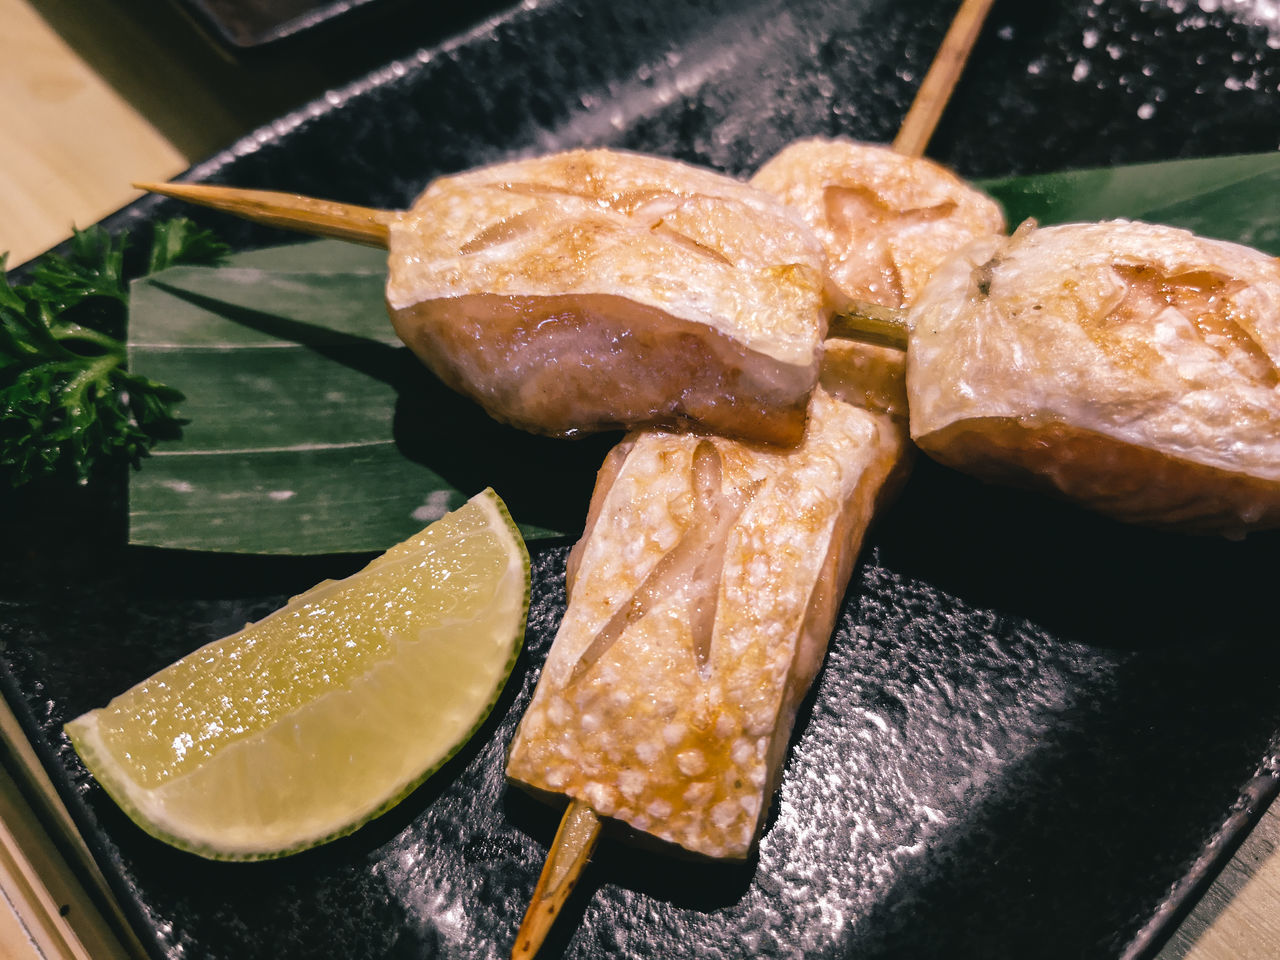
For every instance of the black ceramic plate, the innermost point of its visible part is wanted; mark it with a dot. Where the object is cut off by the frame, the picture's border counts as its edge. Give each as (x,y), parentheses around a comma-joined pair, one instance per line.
(1037,732)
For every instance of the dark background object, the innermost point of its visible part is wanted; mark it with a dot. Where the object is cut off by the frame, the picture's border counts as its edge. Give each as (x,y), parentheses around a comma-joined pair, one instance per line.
(202,95)
(1037,731)
(246,24)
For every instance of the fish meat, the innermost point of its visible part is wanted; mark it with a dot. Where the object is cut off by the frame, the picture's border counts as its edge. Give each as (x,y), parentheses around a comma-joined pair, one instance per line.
(886,220)
(701,599)
(1126,366)
(599,289)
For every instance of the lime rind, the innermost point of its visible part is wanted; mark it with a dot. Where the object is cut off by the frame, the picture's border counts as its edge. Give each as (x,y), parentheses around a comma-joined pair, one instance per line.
(145,806)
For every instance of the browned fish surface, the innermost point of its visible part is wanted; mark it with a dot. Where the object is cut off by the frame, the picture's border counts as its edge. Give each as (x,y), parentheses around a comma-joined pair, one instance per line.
(1130,367)
(886,220)
(599,289)
(702,597)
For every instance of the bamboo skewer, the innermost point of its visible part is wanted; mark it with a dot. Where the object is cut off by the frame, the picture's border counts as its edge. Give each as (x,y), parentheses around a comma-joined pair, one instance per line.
(570,852)
(871,323)
(579,829)
(935,90)
(323,218)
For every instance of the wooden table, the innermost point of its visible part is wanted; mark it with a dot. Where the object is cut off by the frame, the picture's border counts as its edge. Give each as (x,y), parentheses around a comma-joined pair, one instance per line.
(90,102)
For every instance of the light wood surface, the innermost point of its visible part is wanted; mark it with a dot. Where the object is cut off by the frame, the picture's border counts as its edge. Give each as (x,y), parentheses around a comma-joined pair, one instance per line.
(70,143)
(54,902)
(90,102)
(1239,917)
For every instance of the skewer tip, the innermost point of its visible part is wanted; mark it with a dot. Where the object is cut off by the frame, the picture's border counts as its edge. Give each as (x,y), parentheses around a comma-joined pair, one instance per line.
(325,218)
(569,854)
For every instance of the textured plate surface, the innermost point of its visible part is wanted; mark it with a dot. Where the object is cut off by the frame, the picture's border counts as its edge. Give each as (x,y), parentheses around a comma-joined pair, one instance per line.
(1037,732)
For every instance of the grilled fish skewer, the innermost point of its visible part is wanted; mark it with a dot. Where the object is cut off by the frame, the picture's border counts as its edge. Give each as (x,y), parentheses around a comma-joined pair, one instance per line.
(860,320)
(1128,367)
(728,561)
(595,289)
(602,289)
(922,213)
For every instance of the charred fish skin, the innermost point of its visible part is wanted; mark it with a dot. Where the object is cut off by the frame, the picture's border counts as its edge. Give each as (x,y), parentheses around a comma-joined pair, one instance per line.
(885,219)
(702,598)
(599,289)
(1127,366)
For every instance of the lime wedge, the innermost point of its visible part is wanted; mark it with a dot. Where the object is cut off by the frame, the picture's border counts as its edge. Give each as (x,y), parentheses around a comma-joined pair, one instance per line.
(312,721)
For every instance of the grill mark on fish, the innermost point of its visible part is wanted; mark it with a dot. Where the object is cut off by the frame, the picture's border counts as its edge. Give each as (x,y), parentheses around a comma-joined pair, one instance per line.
(689,243)
(591,190)
(504,230)
(697,557)
(866,225)
(1204,298)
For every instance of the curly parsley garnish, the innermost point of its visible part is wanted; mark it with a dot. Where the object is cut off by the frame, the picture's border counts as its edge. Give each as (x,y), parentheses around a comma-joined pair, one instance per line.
(67,401)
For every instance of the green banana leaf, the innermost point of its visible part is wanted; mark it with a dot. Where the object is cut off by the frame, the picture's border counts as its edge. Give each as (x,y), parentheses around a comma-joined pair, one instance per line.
(1228,198)
(311,428)
(313,431)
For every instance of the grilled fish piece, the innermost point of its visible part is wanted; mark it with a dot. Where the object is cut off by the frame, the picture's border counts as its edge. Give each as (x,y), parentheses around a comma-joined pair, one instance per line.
(1126,366)
(886,220)
(701,599)
(599,289)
